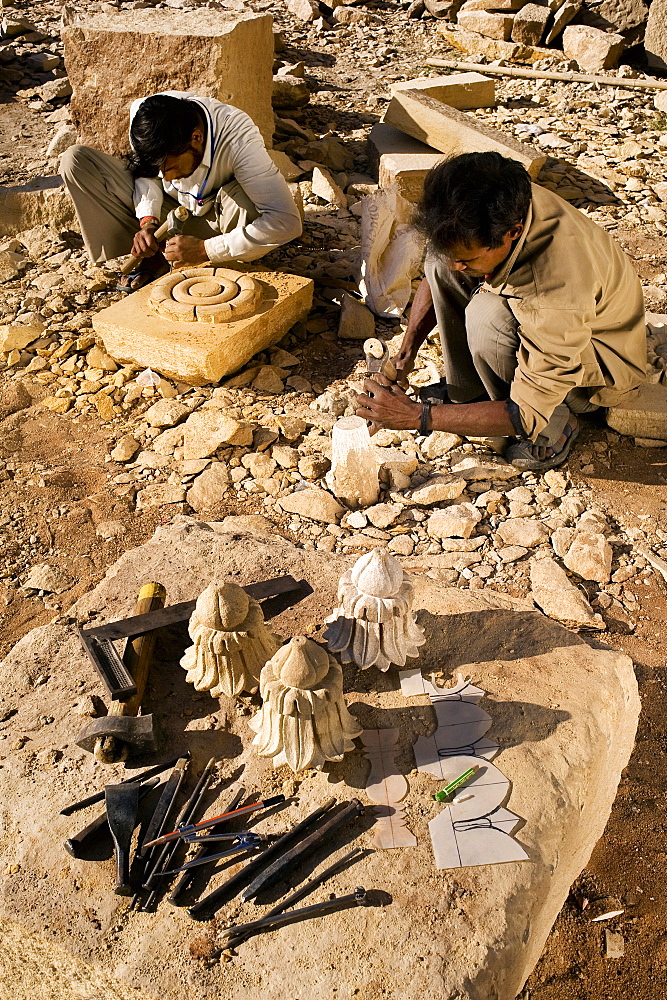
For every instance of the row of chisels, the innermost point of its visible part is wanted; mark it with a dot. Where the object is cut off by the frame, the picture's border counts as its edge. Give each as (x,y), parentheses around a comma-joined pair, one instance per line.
(166,830)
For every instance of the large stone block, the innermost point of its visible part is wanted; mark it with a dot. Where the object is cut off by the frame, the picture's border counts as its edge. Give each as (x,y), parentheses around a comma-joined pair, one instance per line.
(114,58)
(655,41)
(564,713)
(591,48)
(645,416)
(529,24)
(495,48)
(454,132)
(401,160)
(159,328)
(43,201)
(487,23)
(464,91)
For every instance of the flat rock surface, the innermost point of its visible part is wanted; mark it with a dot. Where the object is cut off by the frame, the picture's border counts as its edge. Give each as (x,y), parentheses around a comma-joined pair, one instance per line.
(564,714)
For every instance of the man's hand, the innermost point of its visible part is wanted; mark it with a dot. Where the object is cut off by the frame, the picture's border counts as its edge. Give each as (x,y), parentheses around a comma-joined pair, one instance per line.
(389,406)
(144,244)
(185,250)
(404,362)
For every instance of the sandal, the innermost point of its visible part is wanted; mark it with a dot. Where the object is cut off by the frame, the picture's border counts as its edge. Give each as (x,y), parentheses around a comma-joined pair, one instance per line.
(521,456)
(146,270)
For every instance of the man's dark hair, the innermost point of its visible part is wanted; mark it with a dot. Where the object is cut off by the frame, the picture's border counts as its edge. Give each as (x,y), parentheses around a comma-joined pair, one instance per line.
(162,126)
(472,199)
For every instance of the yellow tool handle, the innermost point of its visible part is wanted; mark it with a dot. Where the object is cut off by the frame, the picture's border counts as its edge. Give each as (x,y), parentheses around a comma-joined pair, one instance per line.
(138,652)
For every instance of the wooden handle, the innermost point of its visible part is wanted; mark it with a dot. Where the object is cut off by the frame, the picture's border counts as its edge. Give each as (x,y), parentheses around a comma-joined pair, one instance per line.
(138,652)
(181,213)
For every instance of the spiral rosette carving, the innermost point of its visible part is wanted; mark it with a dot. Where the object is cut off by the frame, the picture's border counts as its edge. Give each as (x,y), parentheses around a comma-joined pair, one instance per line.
(206,294)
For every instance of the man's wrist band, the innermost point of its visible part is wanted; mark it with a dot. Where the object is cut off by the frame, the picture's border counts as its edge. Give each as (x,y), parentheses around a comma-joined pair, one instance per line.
(149,222)
(425,420)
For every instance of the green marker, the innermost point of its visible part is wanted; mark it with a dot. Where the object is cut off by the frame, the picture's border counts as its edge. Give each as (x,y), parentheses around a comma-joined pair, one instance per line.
(444,793)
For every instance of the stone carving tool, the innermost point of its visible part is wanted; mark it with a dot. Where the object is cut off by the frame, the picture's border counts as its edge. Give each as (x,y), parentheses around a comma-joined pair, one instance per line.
(210,904)
(79,845)
(205,850)
(165,856)
(122,802)
(159,818)
(276,596)
(183,830)
(144,776)
(241,932)
(295,855)
(172,226)
(111,737)
(356,898)
(244,842)
(378,362)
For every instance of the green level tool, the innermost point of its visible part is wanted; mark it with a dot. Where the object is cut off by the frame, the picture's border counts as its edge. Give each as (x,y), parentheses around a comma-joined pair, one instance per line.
(445,792)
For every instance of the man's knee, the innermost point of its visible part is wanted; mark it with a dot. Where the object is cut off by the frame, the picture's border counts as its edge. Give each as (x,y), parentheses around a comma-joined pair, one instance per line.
(73,160)
(490,323)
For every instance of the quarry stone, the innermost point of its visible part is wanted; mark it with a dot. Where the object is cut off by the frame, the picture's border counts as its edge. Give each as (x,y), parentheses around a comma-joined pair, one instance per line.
(558,597)
(313,503)
(458,521)
(356,321)
(524,531)
(591,48)
(206,490)
(529,24)
(464,91)
(655,40)
(201,353)
(645,415)
(589,556)
(565,714)
(113,58)
(486,23)
(206,430)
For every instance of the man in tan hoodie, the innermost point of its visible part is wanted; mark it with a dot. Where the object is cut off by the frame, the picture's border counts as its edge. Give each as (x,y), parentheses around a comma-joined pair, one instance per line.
(539,311)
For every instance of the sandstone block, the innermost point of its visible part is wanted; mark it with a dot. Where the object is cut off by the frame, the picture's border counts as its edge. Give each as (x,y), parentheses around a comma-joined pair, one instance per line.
(313,503)
(488,24)
(655,40)
(627,17)
(305,10)
(439,443)
(113,58)
(288,92)
(453,131)
(437,489)
(562,18)
(566,723)
(559,598)
(401,161)
(206,430)
(15,337)
(529,24)
(167,413)
(591,48)
(161,493)
(208,487)
(325,187)
(493,48)
(464,91)
(43,201)
(200,352)
(524,531)
(458,521)
(125,448)
(643,416)
(356,321)
(589,556)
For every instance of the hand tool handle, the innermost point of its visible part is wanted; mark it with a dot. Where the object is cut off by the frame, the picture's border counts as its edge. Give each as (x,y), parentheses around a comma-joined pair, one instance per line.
(181,214)
(144,776)
(356,898)
(82,841)
(205,849)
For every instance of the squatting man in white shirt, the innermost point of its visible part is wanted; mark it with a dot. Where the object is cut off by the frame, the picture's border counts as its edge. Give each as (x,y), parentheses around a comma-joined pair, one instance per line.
(187,150)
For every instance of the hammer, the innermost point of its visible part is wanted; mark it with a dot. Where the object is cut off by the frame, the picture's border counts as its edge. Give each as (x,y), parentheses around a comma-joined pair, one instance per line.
(172,226)
(111,737)
(378,362)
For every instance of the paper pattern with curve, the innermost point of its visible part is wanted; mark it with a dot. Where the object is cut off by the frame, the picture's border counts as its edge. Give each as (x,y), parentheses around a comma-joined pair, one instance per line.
(391,253)
(387,787)
(475,830)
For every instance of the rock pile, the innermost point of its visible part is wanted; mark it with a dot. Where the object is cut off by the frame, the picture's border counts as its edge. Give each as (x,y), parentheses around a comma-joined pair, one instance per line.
(590,33)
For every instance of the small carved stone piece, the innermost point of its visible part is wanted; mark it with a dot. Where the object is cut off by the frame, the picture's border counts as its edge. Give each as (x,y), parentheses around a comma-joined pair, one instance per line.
(304,720)
(374,626)
(231,642)
(206,294)
(354,465)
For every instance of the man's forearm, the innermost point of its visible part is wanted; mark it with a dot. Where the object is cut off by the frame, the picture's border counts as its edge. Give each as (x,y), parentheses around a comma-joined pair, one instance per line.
(489,419)
(422,320)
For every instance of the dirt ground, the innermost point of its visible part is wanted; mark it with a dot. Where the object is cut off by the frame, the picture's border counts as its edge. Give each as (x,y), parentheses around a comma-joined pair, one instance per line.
(55,488)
